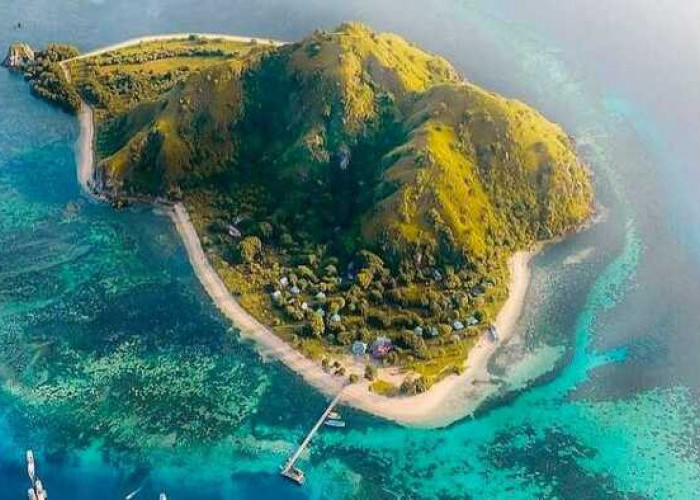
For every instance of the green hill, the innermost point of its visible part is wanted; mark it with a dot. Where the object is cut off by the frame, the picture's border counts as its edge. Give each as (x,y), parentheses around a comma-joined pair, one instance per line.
(365,172)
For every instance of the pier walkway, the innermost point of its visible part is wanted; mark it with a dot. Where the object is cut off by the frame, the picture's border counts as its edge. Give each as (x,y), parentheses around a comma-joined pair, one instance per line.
(289,465)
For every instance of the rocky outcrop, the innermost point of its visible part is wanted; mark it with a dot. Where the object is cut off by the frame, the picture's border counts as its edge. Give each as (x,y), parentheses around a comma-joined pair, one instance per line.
(18,55)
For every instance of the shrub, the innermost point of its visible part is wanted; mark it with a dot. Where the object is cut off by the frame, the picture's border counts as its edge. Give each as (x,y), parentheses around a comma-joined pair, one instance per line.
(378,319)
(250,248)
(316,326)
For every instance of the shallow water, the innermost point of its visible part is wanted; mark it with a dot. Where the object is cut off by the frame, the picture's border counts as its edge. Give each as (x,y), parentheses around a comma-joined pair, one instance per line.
(119,373)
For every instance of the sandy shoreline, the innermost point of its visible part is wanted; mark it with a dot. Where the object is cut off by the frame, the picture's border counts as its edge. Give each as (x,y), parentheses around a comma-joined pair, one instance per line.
(174,36)
(85,152)
(447,401)
(438,407)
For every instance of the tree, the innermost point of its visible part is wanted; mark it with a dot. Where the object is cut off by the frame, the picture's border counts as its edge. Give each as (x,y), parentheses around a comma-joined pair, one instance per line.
(364,279)
(408,386)
(250,248)
(370,372)
(316,325)
(421,385)
(266,230)
(354,378)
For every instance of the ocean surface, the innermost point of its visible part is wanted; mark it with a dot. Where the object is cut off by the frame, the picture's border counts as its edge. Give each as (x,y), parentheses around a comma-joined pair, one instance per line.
(119,373)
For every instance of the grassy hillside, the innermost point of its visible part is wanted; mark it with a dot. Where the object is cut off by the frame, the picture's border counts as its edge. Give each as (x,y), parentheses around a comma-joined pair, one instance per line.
(346,186)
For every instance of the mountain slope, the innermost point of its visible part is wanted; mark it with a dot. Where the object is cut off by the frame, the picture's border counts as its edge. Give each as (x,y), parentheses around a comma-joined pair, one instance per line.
(360,117)
(351,185)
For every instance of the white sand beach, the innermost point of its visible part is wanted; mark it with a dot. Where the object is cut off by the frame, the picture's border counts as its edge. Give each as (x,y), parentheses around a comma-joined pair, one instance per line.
(449,400)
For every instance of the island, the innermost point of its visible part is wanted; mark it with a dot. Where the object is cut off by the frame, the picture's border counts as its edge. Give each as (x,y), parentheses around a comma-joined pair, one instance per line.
(352,203)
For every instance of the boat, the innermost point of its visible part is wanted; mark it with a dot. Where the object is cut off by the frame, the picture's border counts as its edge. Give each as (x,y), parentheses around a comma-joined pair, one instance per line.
(162,497)
(30,494)
(334,415)
(31,468)
(133,493)
(41,493)
(294,474)
(334,423)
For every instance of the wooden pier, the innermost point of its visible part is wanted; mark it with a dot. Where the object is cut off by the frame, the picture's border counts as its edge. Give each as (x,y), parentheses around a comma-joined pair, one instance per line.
(288,470)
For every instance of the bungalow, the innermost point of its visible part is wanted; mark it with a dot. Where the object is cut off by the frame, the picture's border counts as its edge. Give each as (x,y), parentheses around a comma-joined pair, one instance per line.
(381,347)
(359,348)
(472,321)
(344,155)
(433,331)
(295,290)
(304,306)
(277,296)
(457,325)
(320,296)
(233,231)
(492,333)
(284,281)
(335,318)
(418,331)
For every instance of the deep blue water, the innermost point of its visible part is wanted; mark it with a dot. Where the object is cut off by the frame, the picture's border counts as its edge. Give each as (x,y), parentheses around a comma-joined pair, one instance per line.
(600,389)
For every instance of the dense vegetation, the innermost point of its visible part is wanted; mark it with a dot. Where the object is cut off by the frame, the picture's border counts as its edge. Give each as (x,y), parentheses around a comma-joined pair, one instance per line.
(347,187)
(47,78)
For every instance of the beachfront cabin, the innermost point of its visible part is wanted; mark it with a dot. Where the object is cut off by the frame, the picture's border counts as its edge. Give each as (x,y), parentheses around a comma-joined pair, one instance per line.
(381,347)
(359,348)
(472,321)
(492,333)
(457,326)
(344,162)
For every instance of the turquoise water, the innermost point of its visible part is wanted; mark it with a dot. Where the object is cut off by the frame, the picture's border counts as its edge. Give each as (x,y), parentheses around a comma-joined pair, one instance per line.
(120,374)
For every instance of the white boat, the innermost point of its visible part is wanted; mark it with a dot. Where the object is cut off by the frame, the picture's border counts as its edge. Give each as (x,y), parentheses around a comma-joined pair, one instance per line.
(41,493)
(334,423)
(30,494)
(162,497)
(133,493)
(334,415)
(31,468)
